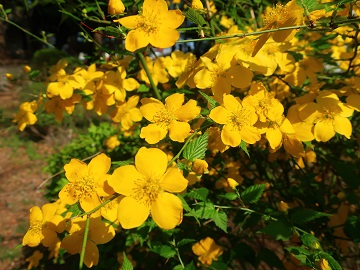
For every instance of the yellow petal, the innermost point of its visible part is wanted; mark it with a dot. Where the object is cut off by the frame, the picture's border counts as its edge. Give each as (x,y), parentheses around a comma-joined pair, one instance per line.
(220,115)
(131,213)
(324,130)
(274,136)
(174,180)
(293,145)
(150,108)
(165,38)
(342,126)
(308,112)
(124,178)
(231,103)
(230,136)
(167,211)
(151,162)
(151,6)
(203,79)
(353,101)
(239,76)
(91,254)
(89,202)
(75,170)
(153,133)
(136,39)
(174,101)
(178,131)
(173,18)
(129,22)
(250,134)
(72,243)
(188,111)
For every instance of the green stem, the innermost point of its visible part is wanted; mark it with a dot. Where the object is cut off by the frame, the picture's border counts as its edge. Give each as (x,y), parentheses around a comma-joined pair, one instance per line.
(83,248)
(349,21)
(27,32)
(143,62)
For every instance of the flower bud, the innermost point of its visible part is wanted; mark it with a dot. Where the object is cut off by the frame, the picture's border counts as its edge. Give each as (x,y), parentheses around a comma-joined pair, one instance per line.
(199,166)
(283,206)
(324,264)
(232,183)
(116,7)
(196,4)
(26,69)
(9,76)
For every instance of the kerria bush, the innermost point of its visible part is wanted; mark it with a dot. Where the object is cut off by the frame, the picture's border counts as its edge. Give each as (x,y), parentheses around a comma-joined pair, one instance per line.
(243,155)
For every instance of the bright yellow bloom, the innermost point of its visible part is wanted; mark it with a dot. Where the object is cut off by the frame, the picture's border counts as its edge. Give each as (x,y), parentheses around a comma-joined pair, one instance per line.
(207,250)
(65,85)
(146,187)
(86,182)
(178,62)
(238,121)
(112,142)
(196,4)
(101,99)
(26,69)
(171,117)
(156,69)
(115,7)
(99,233)
(26,114)
(232,183)
(126,113)
(34,259)
(58,106)
(42,230)
(110,210)
(280,16)
(266,106)
(156,25)
(329,114)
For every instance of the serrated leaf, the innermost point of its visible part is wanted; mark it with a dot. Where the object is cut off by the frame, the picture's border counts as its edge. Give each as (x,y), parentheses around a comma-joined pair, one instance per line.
(164,251)
(243,147)
(185,241)
(220,219)
(229,196)
(205,210)
(184,203)
(199,194)
(193,16)
(190,266)
(253,193)
(212,102)
(310,5)
(298,250)
(302,216)
(126,263)
(74,209)
(310,240)
(332,262)
(196,149)
(280,230)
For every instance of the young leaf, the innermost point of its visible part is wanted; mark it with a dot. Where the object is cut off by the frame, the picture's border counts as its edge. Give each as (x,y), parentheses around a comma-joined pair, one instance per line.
(253,193)
(190,266)
(213,103)
(164,251)
(205,210)
(229,196)
(243,147)
(193,16)
(280,230)
(220,219)
(310,241)
(332,262)
(197,148)
(126,263)
(199,194)
(302,216)
(300,253)
(185,241)
(309,5)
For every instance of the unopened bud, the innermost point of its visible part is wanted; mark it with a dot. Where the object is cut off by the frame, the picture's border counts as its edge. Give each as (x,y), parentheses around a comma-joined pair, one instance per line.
(26,69)
(9,76)
(324,264)
(200,166)
(196,4)
(116,7)
(232,183)
(283,206)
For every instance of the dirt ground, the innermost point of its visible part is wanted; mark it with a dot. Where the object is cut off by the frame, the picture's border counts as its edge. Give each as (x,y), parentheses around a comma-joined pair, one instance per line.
(21,173)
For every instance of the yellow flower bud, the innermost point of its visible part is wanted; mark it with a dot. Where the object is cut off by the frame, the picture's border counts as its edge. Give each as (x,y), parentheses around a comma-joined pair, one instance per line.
(196,4)
(199,166)
(283,206)
(112,142)
(324,264)
(232,183)
(26,69)
(116,7)
(9,76)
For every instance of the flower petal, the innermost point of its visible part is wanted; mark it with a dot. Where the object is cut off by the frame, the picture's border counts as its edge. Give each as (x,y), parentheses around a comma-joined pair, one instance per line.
(324,130)
(75,170)
(123,179)
(220,115)
(188,111)
(178,131)
(167,211)
(151,162)
(174,180)
(99,166)
(136,39)
(342,126)
(150,107)
(230,136)
(153,133)
(174,101)
(131,213)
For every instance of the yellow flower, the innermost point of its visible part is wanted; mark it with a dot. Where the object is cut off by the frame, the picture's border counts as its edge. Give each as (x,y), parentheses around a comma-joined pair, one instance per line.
(329,114)
(155,25)
(34,259)
(58,105)
(65,85)
(238,122)
(226,22)
(99,233)
(101,99)
(26,69)
(9,76)
(200,166)
(171,117)
(196,4)
(126,113)
(86,182)
(110,210)
(115,7)
(112,142)
(207,250)
(146,187)
(26,114)
(42,229)
(156,69)
(232,183)
(178,62)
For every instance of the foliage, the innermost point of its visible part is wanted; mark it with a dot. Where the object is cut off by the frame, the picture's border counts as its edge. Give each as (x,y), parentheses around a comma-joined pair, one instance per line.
(241,152)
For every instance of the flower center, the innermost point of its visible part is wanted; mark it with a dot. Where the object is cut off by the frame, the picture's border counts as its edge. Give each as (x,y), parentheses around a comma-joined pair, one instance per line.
(84,187)
(239,119)
(148,23)
(147,190)
(163,118)
(36,227)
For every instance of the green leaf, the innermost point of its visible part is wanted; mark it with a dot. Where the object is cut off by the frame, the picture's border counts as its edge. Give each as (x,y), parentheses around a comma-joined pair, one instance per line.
(190,266)
(280,230)
(184,203)
(300,253)
(74,209)
(212,102)
(310,241)
(302,216)
(185,241)
(126,263)
(253,193)
(199,194)
(310,5)
(196,149)
(205,210)
(143,88)
(332,262)
(220,219)
(109,30)
(229,196)
(34,73)
(243,147)
(164,251)
(193,16)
